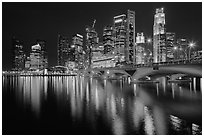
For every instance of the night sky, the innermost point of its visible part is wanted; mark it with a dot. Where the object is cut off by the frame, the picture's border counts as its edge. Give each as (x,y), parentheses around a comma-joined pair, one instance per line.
(31,21)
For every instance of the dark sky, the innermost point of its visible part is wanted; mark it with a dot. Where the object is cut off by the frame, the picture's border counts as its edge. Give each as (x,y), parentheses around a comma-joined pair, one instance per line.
(31,21)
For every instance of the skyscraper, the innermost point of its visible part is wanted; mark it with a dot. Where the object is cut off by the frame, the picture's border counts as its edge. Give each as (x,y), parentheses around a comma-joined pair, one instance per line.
(140,48)
(159,36)
(77,42)
(36,59)
(62,50)
(182,45)
(18,56)
(44,55)
(170,43)
(108,39)
(120,36)
(92,41)
(130,47)
(124,37)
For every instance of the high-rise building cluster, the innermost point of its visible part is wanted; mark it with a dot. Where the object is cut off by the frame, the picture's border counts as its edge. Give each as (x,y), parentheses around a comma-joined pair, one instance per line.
(36,61)
(18,55)
(120,45)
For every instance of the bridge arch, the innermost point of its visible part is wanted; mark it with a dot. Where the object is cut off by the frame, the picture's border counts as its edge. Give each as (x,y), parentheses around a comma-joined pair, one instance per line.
(194,70)
(113,73)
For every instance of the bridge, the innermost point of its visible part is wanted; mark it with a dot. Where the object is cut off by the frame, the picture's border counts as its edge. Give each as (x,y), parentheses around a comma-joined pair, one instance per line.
(172,69)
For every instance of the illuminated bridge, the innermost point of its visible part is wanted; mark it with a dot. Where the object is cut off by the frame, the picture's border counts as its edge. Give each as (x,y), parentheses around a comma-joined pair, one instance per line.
(173,69)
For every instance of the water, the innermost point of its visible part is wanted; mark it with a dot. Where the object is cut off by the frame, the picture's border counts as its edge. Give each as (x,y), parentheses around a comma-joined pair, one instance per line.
(78,105)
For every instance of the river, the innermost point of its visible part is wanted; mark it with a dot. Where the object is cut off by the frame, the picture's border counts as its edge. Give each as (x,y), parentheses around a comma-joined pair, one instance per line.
(93,106)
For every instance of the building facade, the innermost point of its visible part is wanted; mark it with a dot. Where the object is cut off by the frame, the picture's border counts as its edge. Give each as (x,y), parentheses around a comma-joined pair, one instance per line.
(18,56)
(182,49)
(140,48)
(62,50)
(77,42)
(120,36)
(108,39)
(36,59)
(130,38)
(92,41)
(170,44)
(159,36)
(124,37)
(44,55)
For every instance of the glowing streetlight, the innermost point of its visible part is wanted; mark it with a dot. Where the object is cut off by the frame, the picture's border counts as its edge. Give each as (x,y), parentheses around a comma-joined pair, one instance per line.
(145,54)
(191,45)
(149,40)
(175,48)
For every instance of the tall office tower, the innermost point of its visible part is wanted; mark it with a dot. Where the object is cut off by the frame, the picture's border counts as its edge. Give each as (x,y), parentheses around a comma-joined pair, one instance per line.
(130,47)
(124,37)
(62,50)
(108,39)
(120,36)
(182,45)
(140,48)
(36,59)
(92,41)
(159,36)
(170,43)
(44,55)
(77,42)
(18,56)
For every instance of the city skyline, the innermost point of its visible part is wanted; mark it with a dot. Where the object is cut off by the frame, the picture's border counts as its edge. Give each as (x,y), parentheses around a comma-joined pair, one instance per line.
(54,19)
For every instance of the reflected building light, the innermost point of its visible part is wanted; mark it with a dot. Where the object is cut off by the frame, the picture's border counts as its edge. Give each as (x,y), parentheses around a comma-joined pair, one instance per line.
(176,123)
(122,102)
(35,95)
(77,87)
(129,80)
(148,120)
(164,83)
(97,99)
(121,86)
(73,104)
(157,86)
(190,87)
(87,92)
(81,89)
(113,107)
(45,86)
(27,88)
(180,90)
(196,129)
(135,89)
(173,90)
(194,85)
(201,85)
(67,86)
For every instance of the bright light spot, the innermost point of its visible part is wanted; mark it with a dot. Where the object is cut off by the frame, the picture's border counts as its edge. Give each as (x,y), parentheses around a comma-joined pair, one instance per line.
(118,20)
(175,48)
(149,40)
(191,44)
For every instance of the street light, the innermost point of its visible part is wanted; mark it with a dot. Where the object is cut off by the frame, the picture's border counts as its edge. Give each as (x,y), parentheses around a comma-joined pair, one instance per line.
(149,40)
(191,45)
(175,48)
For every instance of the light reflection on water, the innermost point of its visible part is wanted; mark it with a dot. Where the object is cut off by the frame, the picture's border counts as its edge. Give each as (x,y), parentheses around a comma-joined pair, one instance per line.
(123,108)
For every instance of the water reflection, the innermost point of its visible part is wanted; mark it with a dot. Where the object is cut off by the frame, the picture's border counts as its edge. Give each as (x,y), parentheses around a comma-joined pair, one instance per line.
(123,108)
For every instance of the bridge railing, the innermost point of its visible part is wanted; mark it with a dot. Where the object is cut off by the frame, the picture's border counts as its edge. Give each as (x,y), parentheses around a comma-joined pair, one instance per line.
(151,64)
